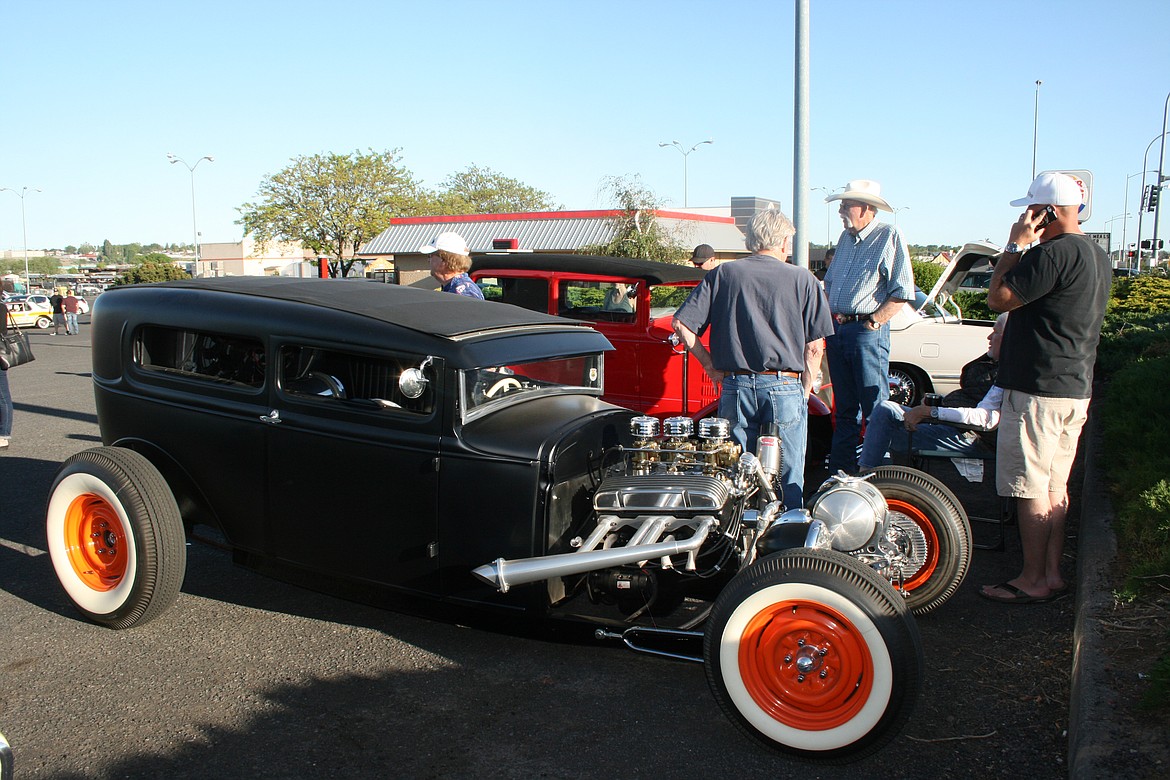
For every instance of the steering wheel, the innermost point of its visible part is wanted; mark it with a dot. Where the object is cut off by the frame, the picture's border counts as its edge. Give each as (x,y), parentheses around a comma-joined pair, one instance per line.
(503,386)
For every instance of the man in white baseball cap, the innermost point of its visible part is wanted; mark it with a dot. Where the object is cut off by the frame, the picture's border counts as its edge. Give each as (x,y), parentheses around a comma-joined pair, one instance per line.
(450,262)
(867,284)
(1056,292)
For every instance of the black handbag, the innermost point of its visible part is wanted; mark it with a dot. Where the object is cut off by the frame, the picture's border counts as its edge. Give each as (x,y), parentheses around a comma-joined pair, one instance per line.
(15,349)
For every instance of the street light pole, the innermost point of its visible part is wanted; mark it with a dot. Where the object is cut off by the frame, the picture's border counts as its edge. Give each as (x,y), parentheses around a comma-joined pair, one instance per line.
(828,214)
(900,208)
(1035,126)
(1158,181)
(1142,206)
(1125,208)
(685,153)
(23,231)
(1110,221)
(191,170)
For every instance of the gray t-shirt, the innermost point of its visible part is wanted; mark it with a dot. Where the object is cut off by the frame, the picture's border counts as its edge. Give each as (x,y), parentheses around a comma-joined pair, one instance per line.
(761,311)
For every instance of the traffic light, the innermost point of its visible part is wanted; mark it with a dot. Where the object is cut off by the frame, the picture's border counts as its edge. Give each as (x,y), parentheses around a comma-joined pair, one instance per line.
(1154,190)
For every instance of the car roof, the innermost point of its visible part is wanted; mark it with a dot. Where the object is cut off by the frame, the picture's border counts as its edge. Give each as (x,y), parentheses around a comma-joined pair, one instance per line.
(426,311)
(650,271)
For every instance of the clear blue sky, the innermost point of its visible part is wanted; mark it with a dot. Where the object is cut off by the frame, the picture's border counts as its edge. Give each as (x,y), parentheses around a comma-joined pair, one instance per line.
(932,99)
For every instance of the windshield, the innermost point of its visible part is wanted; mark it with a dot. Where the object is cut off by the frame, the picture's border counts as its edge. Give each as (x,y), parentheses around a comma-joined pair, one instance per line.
(484,389)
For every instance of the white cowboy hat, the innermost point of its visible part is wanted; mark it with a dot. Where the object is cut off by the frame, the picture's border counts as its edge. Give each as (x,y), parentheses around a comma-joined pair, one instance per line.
(865,191)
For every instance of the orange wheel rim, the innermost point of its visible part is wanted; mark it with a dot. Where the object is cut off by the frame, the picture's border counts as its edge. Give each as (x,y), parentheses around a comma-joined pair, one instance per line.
(930,563)
(95,540)
(805,665)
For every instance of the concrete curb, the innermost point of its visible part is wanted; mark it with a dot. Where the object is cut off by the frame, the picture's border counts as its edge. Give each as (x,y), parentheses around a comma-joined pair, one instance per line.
(1090,721)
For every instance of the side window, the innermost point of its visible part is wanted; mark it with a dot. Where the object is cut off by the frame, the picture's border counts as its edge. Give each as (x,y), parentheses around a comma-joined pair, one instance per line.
(218,357)
(597,301)
(358,381)
(531,294)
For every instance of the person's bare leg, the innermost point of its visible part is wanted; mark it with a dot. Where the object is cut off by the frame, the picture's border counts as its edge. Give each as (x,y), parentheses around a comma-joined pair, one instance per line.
(1039,536)
(1058,512)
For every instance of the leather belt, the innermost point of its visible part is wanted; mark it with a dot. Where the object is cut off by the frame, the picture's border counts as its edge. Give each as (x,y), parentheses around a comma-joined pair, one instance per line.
(847,318)
(793,374)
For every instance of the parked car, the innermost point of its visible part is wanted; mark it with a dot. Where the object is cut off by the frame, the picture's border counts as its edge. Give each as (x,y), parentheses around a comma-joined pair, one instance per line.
(26,317)
(44,303)
(504,483)
(931,340)
(631,302)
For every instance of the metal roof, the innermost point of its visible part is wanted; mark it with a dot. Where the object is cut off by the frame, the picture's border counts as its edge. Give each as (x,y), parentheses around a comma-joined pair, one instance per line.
(545,232)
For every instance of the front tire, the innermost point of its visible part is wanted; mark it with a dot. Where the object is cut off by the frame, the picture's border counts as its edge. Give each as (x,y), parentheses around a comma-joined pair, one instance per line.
(115,537)
(937,532)
(813,655)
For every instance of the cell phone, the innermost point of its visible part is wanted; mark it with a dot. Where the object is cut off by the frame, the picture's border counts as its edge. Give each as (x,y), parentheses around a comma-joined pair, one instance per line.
(1049,216)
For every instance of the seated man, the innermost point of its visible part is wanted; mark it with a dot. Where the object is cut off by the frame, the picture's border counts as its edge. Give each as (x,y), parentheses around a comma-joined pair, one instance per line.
(889,425)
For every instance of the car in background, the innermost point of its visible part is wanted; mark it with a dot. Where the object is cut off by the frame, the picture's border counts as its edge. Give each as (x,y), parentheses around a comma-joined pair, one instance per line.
(26,317)
(631,302)
(931,340)
(44,302)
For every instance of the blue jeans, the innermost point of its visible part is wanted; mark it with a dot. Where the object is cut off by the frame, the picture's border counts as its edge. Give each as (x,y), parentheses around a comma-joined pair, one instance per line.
(887,432)
(5,407)
(859,367)
(71,322)
(751,403)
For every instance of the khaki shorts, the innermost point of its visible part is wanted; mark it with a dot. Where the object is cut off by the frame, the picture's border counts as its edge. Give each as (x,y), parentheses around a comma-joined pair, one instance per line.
(1037,443)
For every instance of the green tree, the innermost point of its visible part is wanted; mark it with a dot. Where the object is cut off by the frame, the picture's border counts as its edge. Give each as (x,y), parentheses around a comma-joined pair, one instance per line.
(333,203)
(153,268)
(86,248)
(637,232)
(476,190)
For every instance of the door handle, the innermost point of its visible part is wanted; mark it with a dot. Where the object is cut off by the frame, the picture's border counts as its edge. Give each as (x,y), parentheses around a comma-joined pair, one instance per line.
(272,418)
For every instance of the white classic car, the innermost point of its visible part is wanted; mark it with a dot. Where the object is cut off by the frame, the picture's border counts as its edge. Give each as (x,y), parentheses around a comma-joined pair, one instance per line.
(930,340)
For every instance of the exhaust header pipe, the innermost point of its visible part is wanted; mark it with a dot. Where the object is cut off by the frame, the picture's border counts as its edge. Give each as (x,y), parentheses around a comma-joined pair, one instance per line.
(502,574)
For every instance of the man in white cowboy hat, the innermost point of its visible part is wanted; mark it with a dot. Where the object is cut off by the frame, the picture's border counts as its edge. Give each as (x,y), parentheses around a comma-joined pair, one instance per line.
(1056,292)
(868,282)
(450,262)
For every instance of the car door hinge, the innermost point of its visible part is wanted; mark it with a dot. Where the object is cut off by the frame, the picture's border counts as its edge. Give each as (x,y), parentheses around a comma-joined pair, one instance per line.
(435,464)
(433,550)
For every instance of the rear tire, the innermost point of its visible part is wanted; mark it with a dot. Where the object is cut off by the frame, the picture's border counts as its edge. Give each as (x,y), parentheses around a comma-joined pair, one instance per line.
(813,655)
(115,537)
(939,531)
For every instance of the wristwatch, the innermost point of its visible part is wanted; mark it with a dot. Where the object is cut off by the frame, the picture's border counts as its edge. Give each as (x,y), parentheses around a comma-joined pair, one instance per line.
(934,412)
(1012,249)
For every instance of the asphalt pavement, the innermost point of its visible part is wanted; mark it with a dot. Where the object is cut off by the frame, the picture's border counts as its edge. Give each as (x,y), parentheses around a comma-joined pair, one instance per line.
(247,676)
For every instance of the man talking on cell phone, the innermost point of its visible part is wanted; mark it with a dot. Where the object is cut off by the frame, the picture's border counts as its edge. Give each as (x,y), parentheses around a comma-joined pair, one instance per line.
(1056,292)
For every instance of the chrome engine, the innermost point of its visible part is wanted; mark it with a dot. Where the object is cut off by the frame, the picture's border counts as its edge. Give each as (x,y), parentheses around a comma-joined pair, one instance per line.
(683,505)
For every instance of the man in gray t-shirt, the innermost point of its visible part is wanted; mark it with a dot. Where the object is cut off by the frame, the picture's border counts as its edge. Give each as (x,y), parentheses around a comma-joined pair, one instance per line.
(767,321)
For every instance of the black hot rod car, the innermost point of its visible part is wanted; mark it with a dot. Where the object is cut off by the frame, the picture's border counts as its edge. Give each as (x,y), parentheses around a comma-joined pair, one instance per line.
(503,483)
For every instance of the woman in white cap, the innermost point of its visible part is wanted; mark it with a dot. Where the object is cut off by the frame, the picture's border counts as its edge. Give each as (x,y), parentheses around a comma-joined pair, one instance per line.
(450,262)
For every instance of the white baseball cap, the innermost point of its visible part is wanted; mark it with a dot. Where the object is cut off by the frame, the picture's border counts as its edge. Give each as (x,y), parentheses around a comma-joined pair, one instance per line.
(449,242)
(1052,189)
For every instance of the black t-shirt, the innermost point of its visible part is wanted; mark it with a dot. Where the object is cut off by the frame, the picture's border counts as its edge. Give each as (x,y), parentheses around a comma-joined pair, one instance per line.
(1050,342)
(57,302)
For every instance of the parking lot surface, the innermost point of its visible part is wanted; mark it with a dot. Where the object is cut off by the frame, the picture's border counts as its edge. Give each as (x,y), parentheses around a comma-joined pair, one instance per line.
(247,676)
